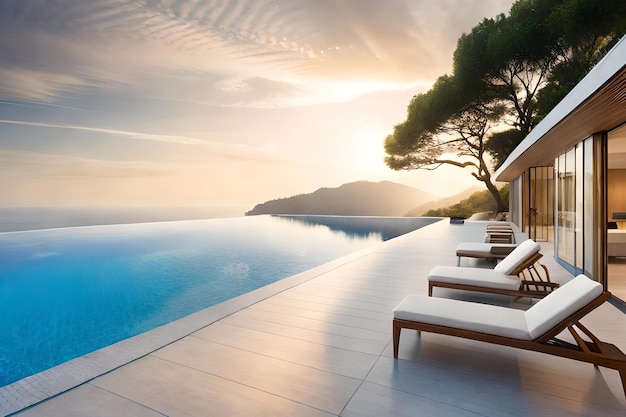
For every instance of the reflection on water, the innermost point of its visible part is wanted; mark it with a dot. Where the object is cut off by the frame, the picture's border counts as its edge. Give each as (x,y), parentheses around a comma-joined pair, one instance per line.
(364,226)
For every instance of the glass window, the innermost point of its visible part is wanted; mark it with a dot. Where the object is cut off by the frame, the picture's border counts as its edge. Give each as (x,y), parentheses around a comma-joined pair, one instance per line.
(588,207)
(566,211)
(539,207)
(574,207)
(579,198)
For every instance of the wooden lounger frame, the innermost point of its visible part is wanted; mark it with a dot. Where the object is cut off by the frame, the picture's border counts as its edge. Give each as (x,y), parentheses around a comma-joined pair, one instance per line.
(495,234)
(594,351)
(495,252)
(500,236)
(533,284)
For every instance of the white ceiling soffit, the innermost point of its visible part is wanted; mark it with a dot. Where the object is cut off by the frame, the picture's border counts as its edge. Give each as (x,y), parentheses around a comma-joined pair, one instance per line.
(596,104)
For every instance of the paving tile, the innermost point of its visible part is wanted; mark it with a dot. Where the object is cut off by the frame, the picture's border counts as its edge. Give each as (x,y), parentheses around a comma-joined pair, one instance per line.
(574,380)
(317,336)
(313,324)
(312,310)
(374,400)
(345,362)
(342,316)
(485,396)
(88,400)
(180,391)
(320,389)
(477,394)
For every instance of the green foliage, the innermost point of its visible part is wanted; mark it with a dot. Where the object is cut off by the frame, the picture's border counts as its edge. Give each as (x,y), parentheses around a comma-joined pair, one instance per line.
(579,43)
(500,144)
(511,70)
(478,202)
(414,143)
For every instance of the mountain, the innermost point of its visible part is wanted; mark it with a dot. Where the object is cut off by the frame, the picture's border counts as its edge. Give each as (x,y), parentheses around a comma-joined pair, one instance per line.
(360,198)
(448,201)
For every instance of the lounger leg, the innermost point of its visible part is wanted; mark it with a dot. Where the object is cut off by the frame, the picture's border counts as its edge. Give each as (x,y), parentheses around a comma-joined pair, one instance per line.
(430,289)
(622,375)
(396,338)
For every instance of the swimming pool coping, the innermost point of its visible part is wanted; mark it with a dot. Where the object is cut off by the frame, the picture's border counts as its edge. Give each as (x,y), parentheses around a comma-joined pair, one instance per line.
(34,389)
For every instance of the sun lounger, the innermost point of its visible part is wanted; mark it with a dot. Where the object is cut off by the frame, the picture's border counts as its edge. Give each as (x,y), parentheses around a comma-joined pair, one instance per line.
(483,250)
(499,233)
(500,240)
(535,329)
(499,226)
(518,274)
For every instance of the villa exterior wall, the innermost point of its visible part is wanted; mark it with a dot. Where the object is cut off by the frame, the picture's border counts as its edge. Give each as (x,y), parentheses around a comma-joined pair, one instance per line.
(573,139)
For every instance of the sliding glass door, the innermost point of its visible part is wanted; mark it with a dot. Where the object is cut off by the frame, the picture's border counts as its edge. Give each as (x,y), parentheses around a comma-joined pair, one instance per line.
(540,212)
(575,195)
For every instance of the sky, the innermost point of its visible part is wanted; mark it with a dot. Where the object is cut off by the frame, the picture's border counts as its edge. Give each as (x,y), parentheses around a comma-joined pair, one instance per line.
(200,102)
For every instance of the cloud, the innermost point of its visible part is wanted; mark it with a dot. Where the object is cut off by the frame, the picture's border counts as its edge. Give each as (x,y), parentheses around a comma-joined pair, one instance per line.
(32,85)
(209,100)
(185,140)
(312,51)
(207,150)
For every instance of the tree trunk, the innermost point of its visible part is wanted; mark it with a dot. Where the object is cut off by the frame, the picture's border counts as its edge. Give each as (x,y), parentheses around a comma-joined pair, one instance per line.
(495,193)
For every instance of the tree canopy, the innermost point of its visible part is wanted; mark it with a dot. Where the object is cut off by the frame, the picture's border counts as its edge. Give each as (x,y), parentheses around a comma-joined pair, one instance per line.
(508,73)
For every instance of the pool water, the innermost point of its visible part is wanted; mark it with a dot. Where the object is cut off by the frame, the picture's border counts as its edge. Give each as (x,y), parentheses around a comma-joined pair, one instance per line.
(67,292)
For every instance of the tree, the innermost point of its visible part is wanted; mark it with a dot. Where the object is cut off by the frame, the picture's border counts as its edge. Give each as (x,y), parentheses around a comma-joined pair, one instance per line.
(495,81)
(440,122)
(508,71)
(541,51)
(582,32)
(512,58)
(506,57)
(500,144)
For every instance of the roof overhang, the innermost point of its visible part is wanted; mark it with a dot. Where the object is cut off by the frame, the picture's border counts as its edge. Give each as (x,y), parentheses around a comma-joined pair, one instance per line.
(596,104)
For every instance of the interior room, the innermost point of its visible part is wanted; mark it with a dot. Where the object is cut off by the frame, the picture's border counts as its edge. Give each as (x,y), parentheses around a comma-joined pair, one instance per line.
(616,206)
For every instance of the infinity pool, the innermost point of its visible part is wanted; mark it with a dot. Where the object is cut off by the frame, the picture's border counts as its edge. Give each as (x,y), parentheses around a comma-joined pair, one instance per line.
(67,292)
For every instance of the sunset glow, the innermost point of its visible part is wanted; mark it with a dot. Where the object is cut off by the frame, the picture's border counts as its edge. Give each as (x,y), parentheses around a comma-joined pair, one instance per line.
(191,102)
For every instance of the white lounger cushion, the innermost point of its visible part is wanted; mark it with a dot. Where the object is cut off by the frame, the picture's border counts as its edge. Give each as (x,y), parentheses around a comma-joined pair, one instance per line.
(501,321)
(499,226)
(561,303)
(480,277)
(481,249)
(484,318)
(519,255)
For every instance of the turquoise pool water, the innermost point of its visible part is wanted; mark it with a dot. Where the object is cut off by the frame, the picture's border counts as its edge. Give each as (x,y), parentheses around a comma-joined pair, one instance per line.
(67,292)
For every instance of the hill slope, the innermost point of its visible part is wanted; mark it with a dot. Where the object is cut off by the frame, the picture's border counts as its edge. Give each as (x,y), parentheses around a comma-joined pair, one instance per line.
(445,202)
(360,198)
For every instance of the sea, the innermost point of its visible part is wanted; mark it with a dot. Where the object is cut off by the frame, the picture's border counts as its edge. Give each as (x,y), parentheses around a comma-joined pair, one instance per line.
(15,219)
